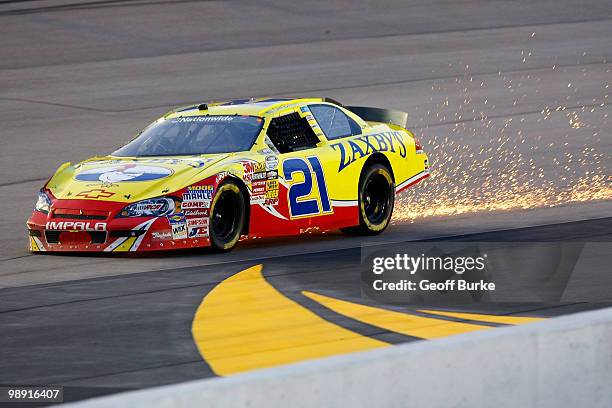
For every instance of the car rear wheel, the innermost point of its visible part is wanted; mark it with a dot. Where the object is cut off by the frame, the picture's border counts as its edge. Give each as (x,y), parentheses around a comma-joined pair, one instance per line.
(227,217)
(376,201)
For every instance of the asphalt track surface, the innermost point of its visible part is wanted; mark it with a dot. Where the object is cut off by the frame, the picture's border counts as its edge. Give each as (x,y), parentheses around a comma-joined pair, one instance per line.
(79,78)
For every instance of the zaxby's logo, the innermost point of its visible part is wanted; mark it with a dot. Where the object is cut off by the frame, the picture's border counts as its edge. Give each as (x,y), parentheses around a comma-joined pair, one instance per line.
(76,226)
(125,172)
(359,147)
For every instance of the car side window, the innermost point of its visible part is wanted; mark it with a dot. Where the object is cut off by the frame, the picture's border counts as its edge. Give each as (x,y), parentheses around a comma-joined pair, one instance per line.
(334,123)
(290,133)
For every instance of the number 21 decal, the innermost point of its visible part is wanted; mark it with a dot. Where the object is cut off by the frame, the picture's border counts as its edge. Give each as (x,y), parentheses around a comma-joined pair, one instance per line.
(299,206)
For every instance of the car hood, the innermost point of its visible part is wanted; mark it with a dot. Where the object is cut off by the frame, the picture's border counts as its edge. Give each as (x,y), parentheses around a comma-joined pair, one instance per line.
(129,179)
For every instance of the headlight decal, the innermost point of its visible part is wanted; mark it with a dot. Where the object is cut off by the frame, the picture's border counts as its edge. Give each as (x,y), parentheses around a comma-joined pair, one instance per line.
(43,203)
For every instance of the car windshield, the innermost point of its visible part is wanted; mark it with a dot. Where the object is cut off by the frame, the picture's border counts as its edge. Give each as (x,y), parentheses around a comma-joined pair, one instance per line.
(193,135)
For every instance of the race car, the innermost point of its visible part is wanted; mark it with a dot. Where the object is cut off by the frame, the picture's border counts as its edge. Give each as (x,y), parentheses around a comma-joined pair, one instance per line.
(209,174)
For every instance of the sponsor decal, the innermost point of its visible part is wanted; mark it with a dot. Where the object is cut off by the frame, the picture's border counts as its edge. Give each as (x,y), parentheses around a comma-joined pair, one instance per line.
(176,218)
(75,226)
(258,199)
(179,230)
(271,194)
(197,222)
(197,227)
(272,185)
(198,232)
(161,235)
(95,193)
(206,187)
(196,213)
(259,176)
(354,149)
(258,187)
(271,190)
(271,201)
(124,173)
(178,226)
(253,167)
(197,193)
(272,174)
(148,207)
(271,163)
(192,205)
(222,175)
(259,190)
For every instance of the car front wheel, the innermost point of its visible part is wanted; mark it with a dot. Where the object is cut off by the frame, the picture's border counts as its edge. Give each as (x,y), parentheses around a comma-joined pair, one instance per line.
(227,217)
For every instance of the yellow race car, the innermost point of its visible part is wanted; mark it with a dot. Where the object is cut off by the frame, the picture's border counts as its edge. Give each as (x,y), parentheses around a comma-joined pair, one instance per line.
(207,174)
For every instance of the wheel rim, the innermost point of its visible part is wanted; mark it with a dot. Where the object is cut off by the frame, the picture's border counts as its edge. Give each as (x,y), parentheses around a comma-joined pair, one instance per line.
(225,216)
(376,199)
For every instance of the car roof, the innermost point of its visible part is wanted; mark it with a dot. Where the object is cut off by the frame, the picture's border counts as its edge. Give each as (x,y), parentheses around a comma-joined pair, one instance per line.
(253,106)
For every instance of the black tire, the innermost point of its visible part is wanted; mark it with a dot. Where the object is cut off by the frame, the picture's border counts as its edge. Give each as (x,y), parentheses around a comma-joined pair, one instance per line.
(376,201)
(227,217)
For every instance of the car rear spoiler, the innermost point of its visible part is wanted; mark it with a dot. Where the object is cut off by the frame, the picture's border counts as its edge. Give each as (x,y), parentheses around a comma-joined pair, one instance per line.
(380,115)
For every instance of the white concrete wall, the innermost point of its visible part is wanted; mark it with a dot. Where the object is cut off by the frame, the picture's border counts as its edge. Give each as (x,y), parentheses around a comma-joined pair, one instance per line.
(561,362)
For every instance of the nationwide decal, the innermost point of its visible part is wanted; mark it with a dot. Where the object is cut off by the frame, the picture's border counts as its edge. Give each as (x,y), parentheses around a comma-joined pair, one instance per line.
(359,147)
(75,226)
(124,173)
(95,193)
(202,119)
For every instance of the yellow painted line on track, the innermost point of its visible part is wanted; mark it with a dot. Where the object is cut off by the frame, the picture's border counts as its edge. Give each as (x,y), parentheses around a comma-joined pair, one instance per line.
(485,318)
(244,323)
(410,325)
